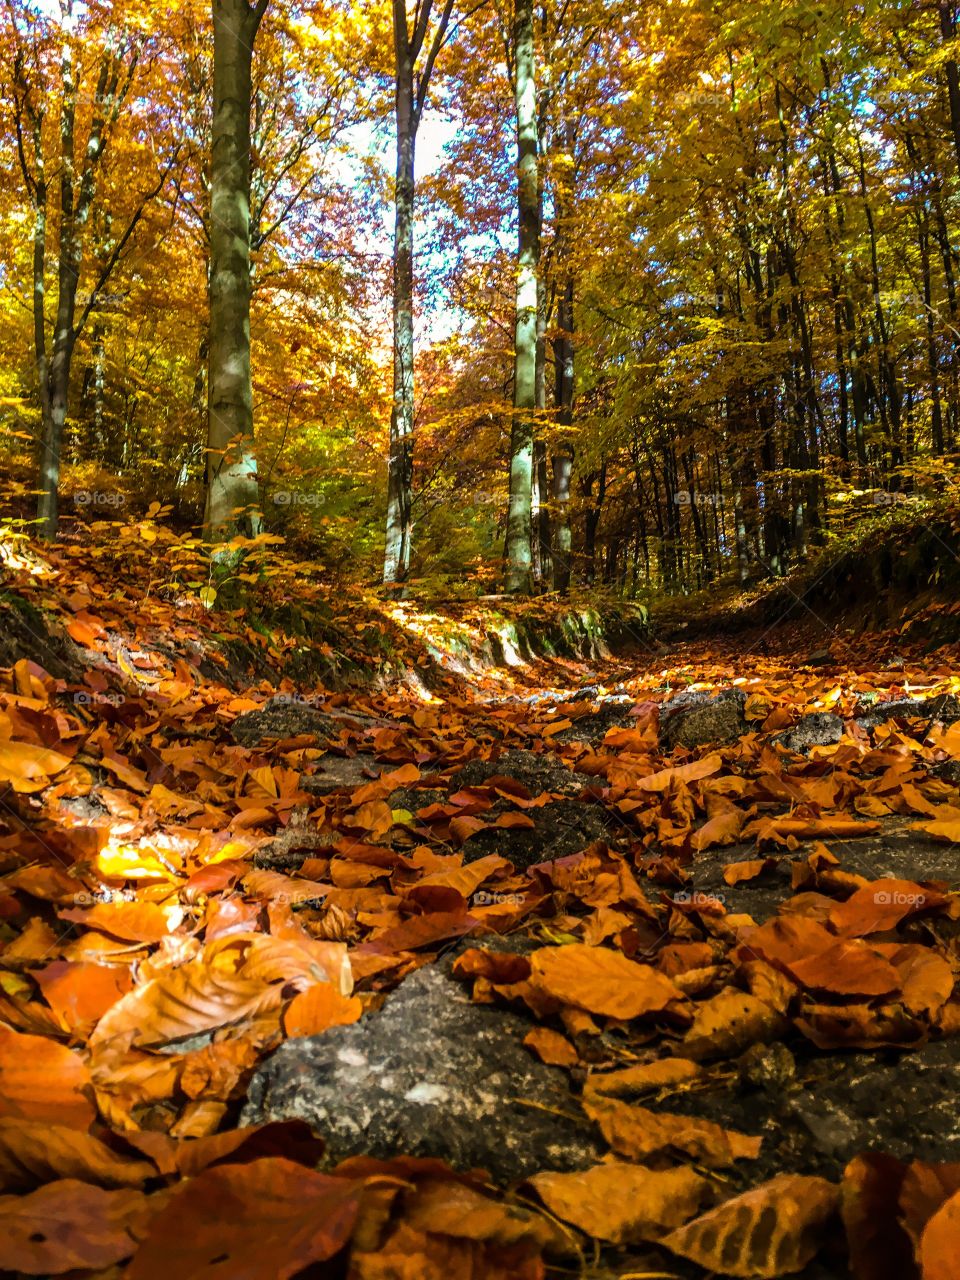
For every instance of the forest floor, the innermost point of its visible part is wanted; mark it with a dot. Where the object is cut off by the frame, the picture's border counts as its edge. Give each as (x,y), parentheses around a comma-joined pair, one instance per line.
(636,967)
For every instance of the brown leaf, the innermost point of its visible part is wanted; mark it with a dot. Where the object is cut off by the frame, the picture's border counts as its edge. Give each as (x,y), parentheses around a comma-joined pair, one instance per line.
(637,1133)
(191,999)
(848,969)
(881,905)
(738,872)
(623,1203)
(939,1251)
(768,1232)
(41,1080)
(551,1047)
(80,994)
(601,981)
(451,1208)
(69,1225)
(925,1187)
(728,1023)
(32,1153)
(266,1220)
(870,1192)
(318,1008)
(667,1074)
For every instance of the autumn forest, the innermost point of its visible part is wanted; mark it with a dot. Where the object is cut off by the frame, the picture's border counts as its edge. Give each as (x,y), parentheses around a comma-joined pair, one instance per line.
(479,639)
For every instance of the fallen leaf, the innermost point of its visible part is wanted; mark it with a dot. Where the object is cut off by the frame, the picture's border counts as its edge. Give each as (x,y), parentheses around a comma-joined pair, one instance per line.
(601,981)
(768,1232)
(623,1203)
(281,1217)
(318,1008)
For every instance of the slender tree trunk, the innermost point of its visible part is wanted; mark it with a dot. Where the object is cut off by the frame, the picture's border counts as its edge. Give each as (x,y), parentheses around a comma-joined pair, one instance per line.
(948,30)
(233,494)
(518,551)
(396,564)
(563,458)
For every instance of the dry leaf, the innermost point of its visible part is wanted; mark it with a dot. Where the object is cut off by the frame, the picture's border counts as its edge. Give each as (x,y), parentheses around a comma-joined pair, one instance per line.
(623,1203)
(769,1232)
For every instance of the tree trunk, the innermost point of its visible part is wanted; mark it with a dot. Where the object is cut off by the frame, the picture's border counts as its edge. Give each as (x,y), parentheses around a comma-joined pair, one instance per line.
(233,494)
(396,563)
(518,553)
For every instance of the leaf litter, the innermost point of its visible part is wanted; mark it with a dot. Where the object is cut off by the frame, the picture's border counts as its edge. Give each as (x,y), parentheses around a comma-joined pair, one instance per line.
(174,904)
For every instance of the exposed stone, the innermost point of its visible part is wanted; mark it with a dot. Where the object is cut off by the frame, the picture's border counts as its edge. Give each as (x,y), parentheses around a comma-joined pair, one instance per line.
(414,798)
(697,718)
(291,848)
(821,658)
(945,708)
(560,828)
(612,712)
(429,1074)
(284,717)
(819,729)
(537,773)
(337,773)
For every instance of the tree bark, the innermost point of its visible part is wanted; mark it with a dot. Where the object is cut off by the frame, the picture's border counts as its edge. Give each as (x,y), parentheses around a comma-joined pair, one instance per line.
(518,551)
(233,494)
(396,564)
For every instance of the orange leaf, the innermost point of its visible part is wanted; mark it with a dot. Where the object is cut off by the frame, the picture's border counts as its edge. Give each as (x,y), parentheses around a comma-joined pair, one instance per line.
(771,1231)
(69,1226)
(601,981)
(319,1008)
(266,1220)
(622,1203)
(41,1080)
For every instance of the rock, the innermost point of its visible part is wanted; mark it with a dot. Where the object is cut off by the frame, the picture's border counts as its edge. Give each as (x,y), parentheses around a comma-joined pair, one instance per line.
(537,773)
(290,849)
(414,798)
(948,770)
(698,718)
(610,713)
(822,658)
(945,708)
(337,773)
(904,1106)
(429,1074)
(561,828)
(284,717)
(819,729)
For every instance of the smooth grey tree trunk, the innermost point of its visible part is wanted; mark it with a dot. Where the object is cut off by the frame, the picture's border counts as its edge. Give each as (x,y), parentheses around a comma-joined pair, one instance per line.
(562,459)
(233,494)
(518,552)
(411,86)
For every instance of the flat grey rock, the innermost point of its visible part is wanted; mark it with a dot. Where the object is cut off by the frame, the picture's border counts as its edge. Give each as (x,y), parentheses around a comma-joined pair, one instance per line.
(697,718)
(560,828)
(945,708)
(283,717)
(429,1074)
(536,772)
(338,773)
(819,729)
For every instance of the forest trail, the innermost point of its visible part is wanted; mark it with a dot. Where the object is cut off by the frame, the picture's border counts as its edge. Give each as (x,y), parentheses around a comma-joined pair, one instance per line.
(682,921)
